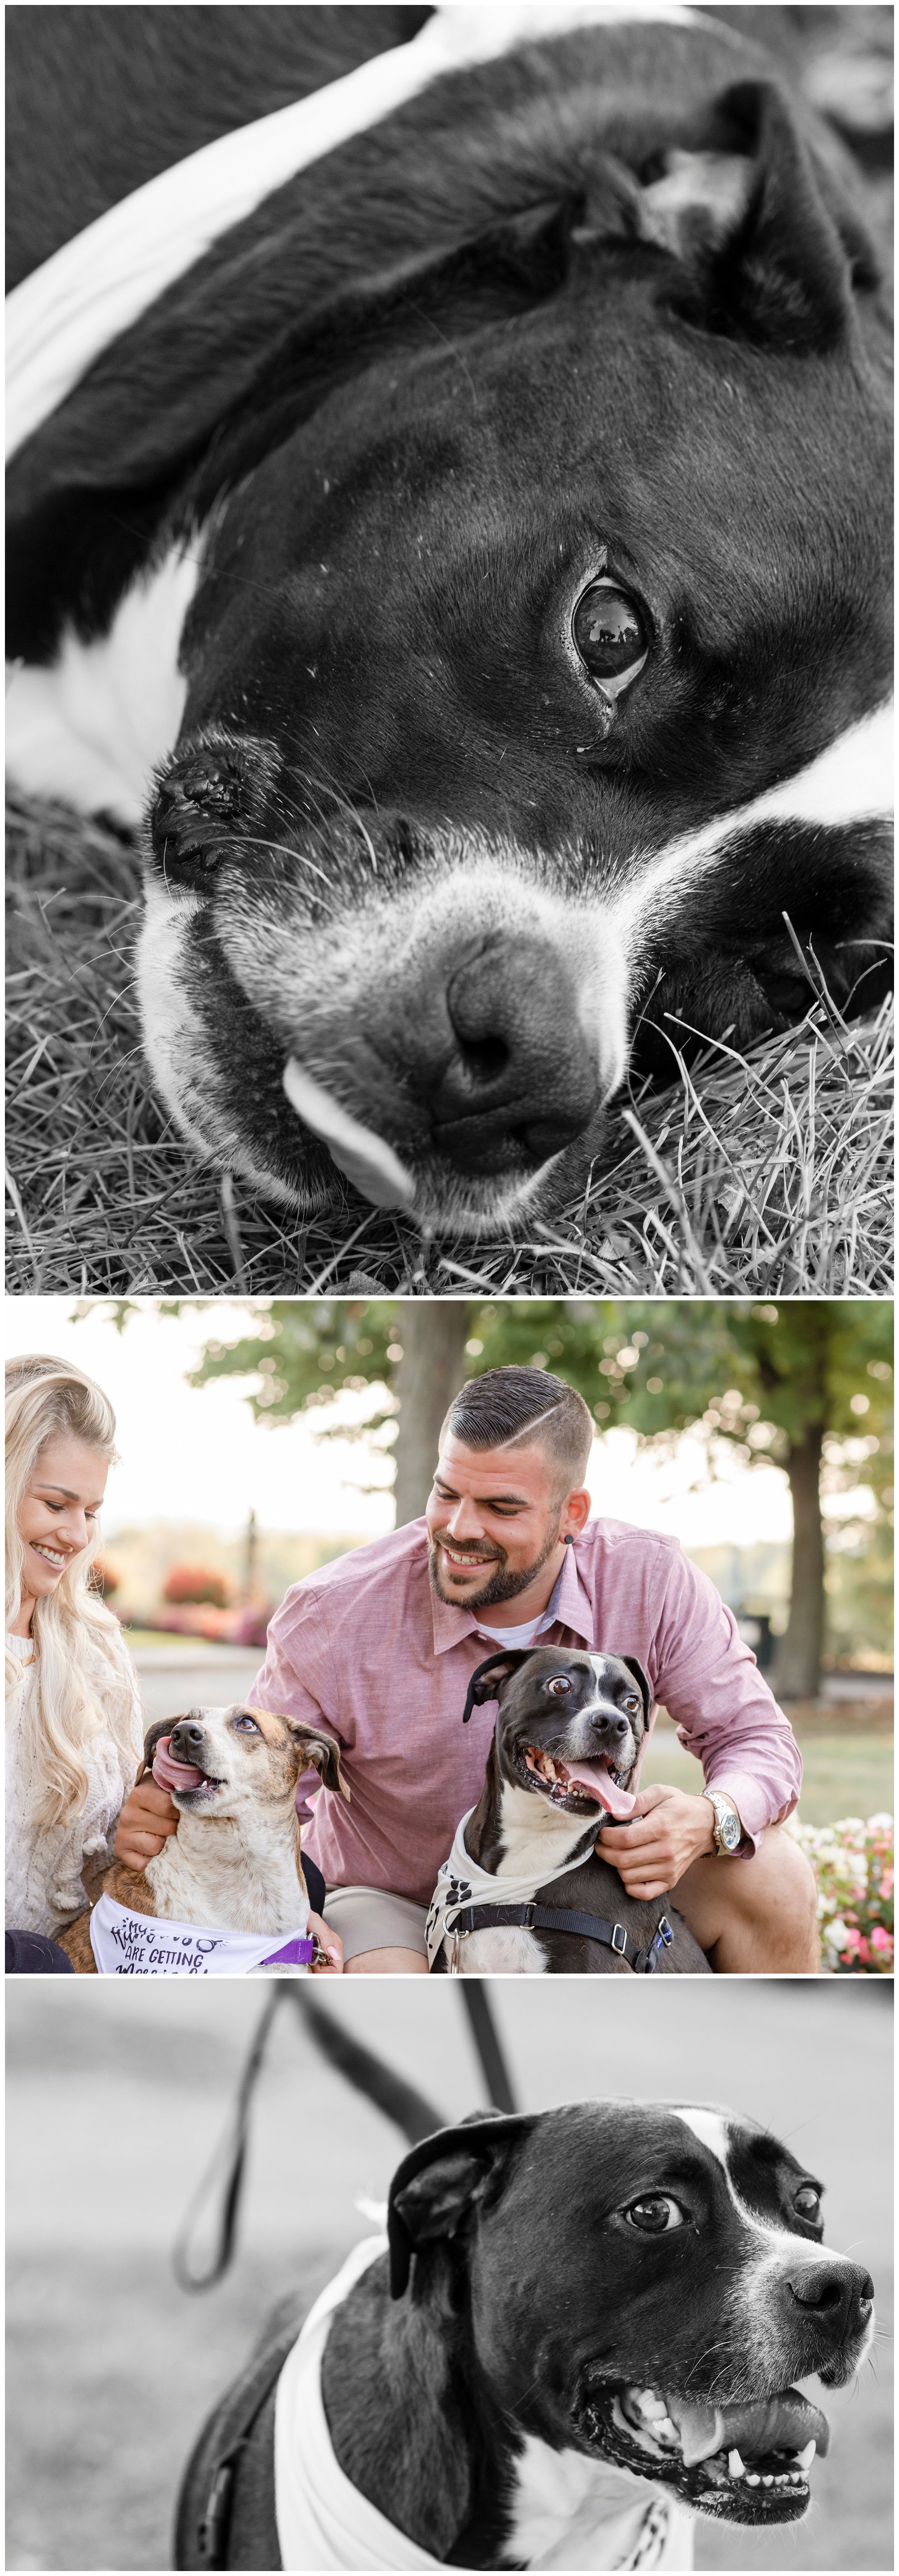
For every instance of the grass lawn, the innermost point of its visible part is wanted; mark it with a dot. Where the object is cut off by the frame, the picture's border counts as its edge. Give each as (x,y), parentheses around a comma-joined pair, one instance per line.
(844,1774)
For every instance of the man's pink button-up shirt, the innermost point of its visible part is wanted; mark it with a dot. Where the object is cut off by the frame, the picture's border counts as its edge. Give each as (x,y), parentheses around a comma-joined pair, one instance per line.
(365,1646)
(369,1650)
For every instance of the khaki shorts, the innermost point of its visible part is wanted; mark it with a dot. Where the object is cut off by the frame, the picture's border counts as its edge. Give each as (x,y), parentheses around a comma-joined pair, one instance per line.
(369,1918)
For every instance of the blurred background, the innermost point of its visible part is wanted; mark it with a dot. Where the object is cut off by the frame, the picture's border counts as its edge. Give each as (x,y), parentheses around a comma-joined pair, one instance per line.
(258,1437)
(116,2100)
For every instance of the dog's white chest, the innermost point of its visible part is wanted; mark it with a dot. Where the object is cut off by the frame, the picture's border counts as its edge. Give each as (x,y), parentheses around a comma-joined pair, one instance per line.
(510,1950)
(571,2512)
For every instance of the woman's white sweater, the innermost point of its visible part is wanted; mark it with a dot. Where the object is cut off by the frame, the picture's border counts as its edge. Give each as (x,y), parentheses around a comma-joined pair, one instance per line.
(44,1889)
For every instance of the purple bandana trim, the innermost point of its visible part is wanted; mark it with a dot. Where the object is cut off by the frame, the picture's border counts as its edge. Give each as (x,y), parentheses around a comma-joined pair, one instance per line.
(295,1954)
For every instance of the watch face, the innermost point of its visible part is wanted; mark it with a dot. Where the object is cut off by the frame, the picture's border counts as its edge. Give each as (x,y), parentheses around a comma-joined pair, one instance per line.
(729,1831)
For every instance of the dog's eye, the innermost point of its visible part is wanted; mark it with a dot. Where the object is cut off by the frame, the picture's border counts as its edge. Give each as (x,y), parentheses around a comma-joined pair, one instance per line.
(631,1703)
(245,1726)
(610,635)
(808,2201)
(655,2216)
(558,1686)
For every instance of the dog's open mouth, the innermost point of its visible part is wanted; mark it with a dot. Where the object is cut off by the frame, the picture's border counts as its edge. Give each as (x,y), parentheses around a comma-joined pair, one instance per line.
(575,1785)
(748,2462)
(204,1788)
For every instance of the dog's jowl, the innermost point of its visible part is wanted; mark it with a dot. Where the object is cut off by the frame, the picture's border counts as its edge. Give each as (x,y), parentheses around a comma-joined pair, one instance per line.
(582,2330)
(483,544)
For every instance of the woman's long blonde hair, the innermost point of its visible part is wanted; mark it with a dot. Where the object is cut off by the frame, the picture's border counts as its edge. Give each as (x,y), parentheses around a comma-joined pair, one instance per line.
(83,1687)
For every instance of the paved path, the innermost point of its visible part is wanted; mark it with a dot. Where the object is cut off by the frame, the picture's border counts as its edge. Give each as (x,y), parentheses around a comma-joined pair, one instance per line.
(187,1672)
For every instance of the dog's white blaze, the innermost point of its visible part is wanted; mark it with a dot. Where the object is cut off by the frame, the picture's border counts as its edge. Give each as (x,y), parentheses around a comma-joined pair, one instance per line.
(93,726)
(779,2250)
(850,782)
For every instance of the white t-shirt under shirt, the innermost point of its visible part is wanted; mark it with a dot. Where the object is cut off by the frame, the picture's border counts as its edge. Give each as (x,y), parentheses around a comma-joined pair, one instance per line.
(523,1636)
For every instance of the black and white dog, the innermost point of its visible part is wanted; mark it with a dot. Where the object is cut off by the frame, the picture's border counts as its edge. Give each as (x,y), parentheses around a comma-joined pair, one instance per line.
(475,526)
(583,2331)
(524,1890)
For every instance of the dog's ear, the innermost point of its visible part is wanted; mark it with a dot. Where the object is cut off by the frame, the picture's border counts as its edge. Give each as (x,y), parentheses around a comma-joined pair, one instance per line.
(766,251)
(321,1751)
(436,2187)
(488,1678)
(641,1678)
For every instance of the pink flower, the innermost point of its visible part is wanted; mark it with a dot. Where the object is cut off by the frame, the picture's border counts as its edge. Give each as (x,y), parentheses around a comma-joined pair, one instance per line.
(886,1884)
(880,1940)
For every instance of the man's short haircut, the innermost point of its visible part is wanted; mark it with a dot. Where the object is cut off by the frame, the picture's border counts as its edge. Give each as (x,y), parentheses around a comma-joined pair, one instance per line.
(509,1408)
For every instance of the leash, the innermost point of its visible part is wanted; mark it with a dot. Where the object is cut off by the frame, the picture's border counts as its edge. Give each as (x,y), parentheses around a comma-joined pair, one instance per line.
(400,2102)
(416,2117)
(558,1918)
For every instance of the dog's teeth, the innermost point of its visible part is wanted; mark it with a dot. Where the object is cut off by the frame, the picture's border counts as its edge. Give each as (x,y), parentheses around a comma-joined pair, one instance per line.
(735,2465)
(751,2478)
(767,2482)
(652,2406)
(806,2457)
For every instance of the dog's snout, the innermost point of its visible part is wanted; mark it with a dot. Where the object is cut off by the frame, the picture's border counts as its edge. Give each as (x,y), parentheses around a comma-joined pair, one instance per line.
(836,2297)
(186,1739)
(521,1077)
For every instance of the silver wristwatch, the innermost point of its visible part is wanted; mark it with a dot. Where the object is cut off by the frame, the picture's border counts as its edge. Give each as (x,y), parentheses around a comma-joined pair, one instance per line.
(728,1829)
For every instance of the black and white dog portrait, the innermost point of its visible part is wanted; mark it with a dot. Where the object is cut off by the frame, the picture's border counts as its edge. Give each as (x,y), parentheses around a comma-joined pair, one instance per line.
(581,2277)
(448,524)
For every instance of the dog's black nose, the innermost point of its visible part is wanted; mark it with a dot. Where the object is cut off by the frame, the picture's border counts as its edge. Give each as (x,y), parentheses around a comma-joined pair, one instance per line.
(835,2297)
(186,1738)
(522,1079)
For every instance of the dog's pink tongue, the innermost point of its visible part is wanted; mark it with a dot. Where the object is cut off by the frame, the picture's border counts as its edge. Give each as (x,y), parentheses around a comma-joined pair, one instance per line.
(596,1781)
(173,1775)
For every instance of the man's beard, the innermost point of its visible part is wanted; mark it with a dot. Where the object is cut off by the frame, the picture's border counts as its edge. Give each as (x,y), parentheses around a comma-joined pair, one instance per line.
(502,1585)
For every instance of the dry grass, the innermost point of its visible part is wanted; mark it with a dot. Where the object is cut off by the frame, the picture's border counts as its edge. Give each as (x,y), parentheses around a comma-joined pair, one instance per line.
(769,1174)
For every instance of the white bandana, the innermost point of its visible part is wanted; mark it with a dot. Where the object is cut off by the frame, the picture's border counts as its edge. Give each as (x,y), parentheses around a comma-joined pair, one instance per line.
(126,1944)
(462,1882)
(61,317)
(324,2522)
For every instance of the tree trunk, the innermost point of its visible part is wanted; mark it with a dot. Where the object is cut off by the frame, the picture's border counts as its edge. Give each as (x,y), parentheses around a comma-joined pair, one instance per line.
(796,1667)
(433,1331)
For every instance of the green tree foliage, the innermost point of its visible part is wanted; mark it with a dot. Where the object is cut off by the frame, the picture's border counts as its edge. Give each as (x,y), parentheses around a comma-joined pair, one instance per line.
(806,1384)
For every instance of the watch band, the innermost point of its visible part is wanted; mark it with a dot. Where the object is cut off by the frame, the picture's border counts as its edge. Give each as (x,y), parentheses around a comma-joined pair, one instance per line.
(723,1810)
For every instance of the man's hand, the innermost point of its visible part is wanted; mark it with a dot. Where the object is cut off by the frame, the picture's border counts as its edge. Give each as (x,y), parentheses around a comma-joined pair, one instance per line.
(668,1831)
(147,1818)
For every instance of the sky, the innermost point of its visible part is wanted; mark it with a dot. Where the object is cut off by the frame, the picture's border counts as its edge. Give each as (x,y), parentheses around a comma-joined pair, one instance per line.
(197,1455)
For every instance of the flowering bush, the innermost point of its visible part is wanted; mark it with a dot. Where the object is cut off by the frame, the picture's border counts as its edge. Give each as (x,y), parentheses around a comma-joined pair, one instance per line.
(853,1864)
(196,1583)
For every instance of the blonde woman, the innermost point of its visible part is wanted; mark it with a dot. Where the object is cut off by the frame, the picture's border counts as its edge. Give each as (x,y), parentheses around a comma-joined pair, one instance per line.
(74,1734)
